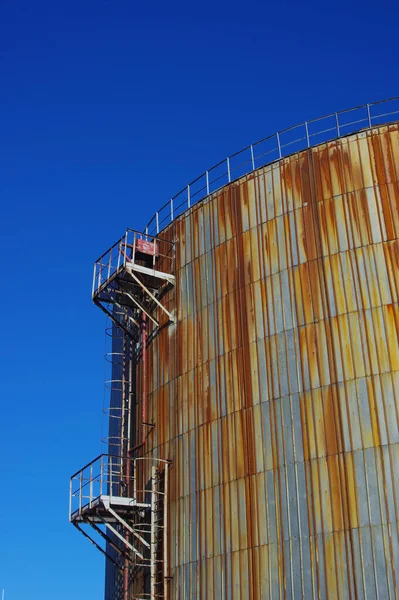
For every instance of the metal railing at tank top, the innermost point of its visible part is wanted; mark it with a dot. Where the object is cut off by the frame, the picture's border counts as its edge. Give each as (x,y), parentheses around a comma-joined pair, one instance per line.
(272,148)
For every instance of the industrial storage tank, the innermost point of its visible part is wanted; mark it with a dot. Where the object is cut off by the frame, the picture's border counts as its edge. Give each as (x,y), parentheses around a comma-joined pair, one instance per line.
(269,378)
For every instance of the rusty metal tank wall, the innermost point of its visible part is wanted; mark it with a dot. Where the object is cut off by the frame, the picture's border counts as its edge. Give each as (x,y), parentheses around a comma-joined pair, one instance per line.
(276,392)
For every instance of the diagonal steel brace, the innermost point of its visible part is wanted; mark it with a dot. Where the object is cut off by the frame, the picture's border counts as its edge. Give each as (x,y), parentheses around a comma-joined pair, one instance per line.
(123,522)
(151,295)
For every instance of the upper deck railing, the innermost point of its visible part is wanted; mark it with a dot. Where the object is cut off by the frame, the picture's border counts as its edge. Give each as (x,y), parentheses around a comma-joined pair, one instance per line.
(272,148)
(115,258)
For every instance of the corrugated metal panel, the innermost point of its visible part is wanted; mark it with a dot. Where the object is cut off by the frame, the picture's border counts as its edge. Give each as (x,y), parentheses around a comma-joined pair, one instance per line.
(276,394)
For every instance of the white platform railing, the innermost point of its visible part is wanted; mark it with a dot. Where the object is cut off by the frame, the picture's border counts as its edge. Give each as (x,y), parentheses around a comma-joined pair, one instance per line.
(111,476)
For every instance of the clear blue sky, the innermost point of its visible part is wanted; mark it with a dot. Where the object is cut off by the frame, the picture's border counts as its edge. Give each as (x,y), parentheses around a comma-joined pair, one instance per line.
(106,111)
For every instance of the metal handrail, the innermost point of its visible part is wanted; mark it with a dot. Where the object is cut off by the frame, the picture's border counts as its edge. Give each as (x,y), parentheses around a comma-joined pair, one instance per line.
(123,457)
(100,475)
(334,126)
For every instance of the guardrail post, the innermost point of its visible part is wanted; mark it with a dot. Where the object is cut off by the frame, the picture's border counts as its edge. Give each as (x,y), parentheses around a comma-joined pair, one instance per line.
(80,491)
(252,158)
(207,182)
(307,134)
(368,114)
(188,197)
(228,169)
(70,497)
(99,273)
(157,221)
(109,263)
(337,122)
(278,145)
(171,209)
(91,484)
(101,475)
(94,279)
(111,483)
